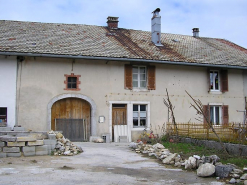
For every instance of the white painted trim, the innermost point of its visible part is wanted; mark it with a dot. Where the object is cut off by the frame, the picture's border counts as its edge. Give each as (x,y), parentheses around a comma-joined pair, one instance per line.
(129,115)
(216,104)
(80,96)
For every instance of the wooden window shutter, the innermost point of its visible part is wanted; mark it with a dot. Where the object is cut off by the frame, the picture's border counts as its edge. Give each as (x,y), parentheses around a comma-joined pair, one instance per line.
(225,115)
(224,81)
(208,80)
(128,77)
(151,77)
(207,115)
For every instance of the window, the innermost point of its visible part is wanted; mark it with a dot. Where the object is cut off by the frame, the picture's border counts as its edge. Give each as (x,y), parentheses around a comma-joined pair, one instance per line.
(216,114)
(218,80)
(139,115)
(72,82)
(139,77)
(3,114)
(214,80)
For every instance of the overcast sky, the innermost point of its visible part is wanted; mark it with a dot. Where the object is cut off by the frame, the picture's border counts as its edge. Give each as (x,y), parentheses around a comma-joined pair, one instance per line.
(225,19)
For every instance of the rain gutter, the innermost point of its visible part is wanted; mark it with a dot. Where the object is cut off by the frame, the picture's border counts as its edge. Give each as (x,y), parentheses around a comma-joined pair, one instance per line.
(121,59)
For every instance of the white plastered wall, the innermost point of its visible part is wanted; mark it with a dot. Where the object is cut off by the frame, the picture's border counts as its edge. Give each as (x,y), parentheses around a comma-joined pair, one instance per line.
(8,71)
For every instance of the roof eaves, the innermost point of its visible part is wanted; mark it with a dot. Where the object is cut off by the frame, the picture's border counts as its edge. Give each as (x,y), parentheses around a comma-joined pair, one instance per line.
(123,60)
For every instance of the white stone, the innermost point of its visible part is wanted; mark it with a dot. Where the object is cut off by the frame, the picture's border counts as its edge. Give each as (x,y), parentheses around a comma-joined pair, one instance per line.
(197,156)
(165,151)
(66,153)
(244,177)
(190,163)
(158,146)
(245,182)
(169,158)
(232,181)
(244,169)
(206,170)
(177,164)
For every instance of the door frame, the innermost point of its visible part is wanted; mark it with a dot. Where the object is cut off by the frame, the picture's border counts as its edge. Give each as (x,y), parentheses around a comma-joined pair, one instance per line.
(93,108)
(129,116)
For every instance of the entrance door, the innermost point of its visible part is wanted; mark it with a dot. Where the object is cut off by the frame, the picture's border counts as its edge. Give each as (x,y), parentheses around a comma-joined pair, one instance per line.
(119,116)
(72,117)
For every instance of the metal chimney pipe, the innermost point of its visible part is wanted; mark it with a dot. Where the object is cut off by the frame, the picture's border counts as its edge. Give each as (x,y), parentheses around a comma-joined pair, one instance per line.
(195,32)
(156,27)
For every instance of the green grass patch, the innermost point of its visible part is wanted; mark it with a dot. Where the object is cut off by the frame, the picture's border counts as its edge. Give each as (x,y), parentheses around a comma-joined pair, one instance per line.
(186,150)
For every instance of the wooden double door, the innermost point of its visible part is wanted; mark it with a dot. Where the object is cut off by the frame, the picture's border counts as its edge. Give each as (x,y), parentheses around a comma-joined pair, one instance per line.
(72,117)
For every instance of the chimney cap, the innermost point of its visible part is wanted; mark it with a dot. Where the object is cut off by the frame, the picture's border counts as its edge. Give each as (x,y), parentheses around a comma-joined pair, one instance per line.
(112,22)
(195,32)
(112,19)
(156,10)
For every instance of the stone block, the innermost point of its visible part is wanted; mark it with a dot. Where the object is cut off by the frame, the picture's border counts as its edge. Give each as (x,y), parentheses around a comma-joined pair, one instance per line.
(5,128)
(7,138)
(50,142)
(16,143)
(2,144)
(18,154)
(35,143)
(41,150)
(11,149)
(1,149)
(19,129)
(188,140)
(52,136)
(25,138)
(28,151)
(3,155)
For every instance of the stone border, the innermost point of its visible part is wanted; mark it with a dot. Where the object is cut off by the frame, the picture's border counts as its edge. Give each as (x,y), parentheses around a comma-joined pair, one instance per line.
(70,95)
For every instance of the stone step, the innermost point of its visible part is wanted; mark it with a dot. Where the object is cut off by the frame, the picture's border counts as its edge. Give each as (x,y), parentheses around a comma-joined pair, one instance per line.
(28,150)
(11,149)
(41,150)
(35,143)
(22,143)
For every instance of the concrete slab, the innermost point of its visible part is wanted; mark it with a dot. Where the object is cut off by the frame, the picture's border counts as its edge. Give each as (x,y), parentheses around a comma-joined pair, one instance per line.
(7,138)
(35,143)
(19,129)
(18,154)
(25,138)
(41,150)
(5,128)
(2,144)
(22,143)
(11,149)
(3,155)
(28,150)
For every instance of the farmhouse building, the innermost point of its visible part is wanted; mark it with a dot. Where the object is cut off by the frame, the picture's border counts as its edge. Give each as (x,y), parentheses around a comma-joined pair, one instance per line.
(104,80)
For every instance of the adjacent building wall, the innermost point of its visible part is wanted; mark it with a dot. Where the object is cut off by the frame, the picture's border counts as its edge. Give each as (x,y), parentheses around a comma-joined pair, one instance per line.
(42,79)
(8,71)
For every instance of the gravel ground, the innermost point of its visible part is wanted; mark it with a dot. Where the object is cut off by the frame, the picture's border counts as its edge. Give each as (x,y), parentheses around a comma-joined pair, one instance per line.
(100,163)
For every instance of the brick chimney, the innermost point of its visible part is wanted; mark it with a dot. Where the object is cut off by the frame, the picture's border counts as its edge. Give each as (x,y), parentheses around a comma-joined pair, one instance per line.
(112,22)
(156,27)
(195,32)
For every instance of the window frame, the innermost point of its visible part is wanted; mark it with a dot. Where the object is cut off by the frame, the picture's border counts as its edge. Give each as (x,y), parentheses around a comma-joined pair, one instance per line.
(214,115)
(139,115)
(4,118)
(219,81)
(139,80)
(66,82)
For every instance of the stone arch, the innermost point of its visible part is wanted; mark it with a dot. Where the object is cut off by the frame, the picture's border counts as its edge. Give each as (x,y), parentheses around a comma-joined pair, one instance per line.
(86,98)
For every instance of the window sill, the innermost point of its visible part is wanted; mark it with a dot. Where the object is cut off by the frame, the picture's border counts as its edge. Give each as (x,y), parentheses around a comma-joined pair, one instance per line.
(139,128)
(140,90)
(215,92)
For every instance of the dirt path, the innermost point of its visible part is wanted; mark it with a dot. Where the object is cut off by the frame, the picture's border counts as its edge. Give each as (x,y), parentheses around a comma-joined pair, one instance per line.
(99,164)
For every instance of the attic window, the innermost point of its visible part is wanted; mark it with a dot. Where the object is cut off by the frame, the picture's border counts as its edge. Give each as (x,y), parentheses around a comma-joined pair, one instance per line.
(72,82)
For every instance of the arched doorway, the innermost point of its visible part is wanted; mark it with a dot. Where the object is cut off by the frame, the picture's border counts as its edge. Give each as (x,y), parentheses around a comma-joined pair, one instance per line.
(93,122)
(72,117)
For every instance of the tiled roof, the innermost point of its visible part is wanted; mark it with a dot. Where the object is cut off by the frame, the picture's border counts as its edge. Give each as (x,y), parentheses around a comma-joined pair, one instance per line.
(99,41)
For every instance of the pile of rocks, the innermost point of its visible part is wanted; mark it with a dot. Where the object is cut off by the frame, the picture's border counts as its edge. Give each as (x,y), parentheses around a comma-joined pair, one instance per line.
(65,146)
(205,165)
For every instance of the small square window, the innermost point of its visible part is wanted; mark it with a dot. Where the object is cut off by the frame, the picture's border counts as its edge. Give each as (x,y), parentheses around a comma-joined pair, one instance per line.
(72,82)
